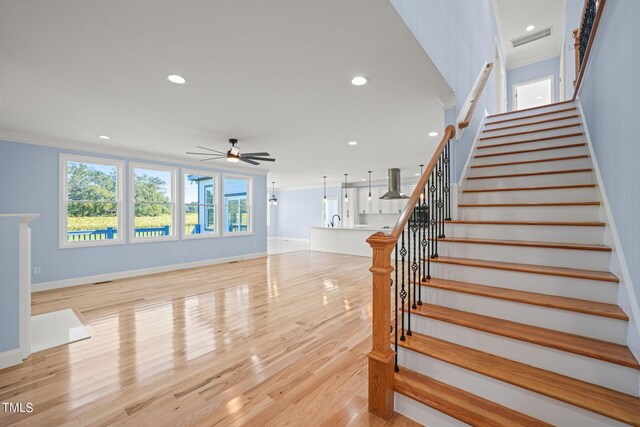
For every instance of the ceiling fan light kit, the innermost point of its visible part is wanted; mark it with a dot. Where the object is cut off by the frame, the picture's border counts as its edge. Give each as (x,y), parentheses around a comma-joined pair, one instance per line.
(234,155)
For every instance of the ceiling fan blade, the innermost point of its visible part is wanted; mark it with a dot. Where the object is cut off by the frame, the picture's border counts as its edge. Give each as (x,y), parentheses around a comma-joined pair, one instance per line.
(254,154)
(209,149)
(213,158)
(261,159)
(200,154)
(249,161)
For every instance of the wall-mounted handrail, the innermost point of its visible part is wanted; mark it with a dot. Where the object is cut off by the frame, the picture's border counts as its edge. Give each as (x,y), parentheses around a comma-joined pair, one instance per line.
(584,38)
(476,96)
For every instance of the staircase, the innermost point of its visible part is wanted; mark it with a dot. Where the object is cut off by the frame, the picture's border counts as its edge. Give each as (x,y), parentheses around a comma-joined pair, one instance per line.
(518,322)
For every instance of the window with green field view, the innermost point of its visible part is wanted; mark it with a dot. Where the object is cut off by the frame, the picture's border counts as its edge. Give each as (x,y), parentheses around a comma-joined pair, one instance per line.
(153,202)
(237,208)
(199,204)
(91,200)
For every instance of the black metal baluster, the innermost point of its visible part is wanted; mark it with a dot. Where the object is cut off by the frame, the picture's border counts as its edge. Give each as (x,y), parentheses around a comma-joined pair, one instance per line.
(424,224)
(447,188)
(408,228)
(403,292)
(414,265)
(440,202)
(434,216)
(396,298)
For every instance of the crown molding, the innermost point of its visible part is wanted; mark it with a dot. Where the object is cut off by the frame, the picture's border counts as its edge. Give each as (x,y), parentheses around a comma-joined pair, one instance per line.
(118,152)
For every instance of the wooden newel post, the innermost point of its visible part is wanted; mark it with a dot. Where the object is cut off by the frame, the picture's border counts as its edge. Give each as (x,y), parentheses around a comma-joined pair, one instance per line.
(381,357)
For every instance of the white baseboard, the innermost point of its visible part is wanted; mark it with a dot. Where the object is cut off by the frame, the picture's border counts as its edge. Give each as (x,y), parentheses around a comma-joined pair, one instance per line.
(57,284)
(292,239)
(10,358)
(627,298)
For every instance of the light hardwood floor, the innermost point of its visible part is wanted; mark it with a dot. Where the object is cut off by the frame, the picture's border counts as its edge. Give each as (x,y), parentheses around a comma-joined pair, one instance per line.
(273,341)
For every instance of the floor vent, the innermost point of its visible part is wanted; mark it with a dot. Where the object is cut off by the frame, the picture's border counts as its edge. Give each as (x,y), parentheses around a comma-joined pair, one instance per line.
(519,41)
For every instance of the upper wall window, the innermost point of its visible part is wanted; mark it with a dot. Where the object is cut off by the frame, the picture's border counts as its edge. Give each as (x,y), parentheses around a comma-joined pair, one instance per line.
(237,205)
(200,204)
(153,206)
(91,201)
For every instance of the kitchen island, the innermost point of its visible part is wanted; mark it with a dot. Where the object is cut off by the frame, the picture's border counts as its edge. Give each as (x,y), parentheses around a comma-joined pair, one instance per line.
(343,240)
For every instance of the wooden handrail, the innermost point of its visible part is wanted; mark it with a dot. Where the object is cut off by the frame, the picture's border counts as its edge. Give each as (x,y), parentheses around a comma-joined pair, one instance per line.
(381,357)
(578,34)
(449,133)
(476,96)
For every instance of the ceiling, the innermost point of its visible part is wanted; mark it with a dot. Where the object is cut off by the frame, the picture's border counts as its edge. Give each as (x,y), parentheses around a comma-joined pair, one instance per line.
(276,75)
(513,18)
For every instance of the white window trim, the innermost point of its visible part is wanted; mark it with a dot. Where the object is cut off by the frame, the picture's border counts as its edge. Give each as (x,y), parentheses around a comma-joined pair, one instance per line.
(217,204)
(174,203)
(250,196)
(64,158)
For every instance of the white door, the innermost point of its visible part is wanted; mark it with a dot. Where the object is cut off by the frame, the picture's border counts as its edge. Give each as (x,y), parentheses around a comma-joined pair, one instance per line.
(533,93)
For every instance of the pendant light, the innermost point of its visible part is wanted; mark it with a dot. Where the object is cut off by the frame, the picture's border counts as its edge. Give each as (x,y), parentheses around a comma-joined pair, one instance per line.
(369,185)
(273,200)
(325,189)
(346,196)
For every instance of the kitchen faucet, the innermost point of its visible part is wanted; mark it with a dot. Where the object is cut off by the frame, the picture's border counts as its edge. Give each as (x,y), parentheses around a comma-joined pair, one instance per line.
(336,215)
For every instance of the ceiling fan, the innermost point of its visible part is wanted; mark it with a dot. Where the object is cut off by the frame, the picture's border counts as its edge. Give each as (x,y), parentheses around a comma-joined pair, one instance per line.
(234,155)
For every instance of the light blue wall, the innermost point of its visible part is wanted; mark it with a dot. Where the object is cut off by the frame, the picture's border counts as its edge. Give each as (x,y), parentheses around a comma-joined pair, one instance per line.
(300,209)
(609,96)
(459,36)
(9,284)
(29,183)
(572,17)
(536,70)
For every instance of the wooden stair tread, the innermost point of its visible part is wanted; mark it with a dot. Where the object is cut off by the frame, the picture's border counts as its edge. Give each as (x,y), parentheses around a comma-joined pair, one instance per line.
(515,175)
(526,141)
(589,347)
(513,205)
(531,116)
(557,119)
(548,187)
(571,125)
(525,162)
(532,150)
(530,109)
(601,400)
(549,245)
(531,268)
(457,403)
(541,223)
(561,303)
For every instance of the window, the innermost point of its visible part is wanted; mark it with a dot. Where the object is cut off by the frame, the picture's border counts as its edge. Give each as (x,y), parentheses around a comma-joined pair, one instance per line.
(153,208)
(237,205)
(200,212)
(90,205)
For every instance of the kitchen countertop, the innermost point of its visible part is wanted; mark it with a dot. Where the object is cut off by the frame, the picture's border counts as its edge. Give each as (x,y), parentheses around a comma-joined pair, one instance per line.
(356,228)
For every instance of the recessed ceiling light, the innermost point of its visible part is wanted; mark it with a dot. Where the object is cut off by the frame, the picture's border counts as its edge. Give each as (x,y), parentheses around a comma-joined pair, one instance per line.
(362,179)
(539,97)
(417,174)
(103,137)
(531,27)
(359,81)
(352,142)
(174,78)
(433,133)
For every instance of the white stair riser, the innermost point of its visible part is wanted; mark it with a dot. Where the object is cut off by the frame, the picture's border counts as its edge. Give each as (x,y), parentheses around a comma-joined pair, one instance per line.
(533,404)
(587,325)
(530,181)
(613,376)
(487,149)
(499,122)
(526,157)
(531,112)
(590,290)
(566,121)
(423,414)
(532,196)
(531,233)
(531,213)
(549,166)
(569,258)
(528,136)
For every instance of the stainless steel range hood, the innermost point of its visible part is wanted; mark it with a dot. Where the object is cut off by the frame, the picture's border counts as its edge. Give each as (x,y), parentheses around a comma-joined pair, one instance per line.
(394,186)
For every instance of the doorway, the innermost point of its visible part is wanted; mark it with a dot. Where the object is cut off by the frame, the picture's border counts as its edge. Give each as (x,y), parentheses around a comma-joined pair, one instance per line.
(533,93)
